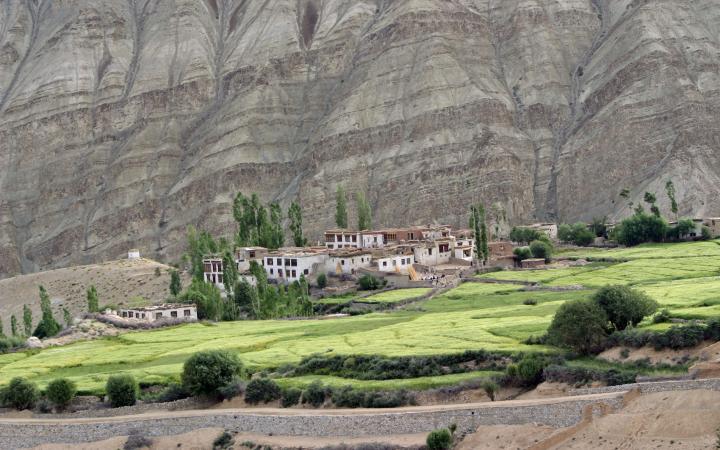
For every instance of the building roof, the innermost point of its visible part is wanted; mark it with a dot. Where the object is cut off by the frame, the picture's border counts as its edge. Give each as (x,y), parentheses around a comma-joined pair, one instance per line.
(298,252)
(159,307)
(349,252)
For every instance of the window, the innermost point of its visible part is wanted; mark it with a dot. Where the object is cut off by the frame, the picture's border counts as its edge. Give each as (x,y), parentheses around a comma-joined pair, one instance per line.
(306,271)
(294,274)
(279,261)
(143,315)
(173,313)
(280,272)
(158,315)
(271,271)
(430,251)
(293,262)
(186,313)
(251,254)
(384,263)
(131,314)
(342,262)
(124,313)
(269,261)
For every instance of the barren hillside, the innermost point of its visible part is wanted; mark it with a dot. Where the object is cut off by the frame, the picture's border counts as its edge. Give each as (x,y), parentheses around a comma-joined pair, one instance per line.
(121,282)
(121,122)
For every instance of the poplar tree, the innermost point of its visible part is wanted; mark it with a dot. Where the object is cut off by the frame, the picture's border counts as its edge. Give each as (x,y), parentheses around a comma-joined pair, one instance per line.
(48,326)
(175,283)
(92,299)
(67,317)
(364,212)
(341,215)
(27,320)
(14,325)
(670,189)
(295,216)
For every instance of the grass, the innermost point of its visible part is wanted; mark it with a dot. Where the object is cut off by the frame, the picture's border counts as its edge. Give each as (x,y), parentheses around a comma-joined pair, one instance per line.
(396,296)
(681,277)
(337,299)
(414,384)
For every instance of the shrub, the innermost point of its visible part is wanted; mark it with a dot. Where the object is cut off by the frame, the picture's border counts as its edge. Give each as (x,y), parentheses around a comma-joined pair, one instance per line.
(624,306)
(322,281)
(491,388)
(314,394)
(526,235)
(369,283)
(530,369)
(225,440)
(61,392)
(290,397)
(580,325)
(21,394)
(137,441)
(10,343)
(640,228)
(347,397)
(530,302)
(439,439)
(262,390)
(578,234)
(121,390)
(662,317)
(522,253)
(233,389)
(705,233)
(541,249)
(204,373)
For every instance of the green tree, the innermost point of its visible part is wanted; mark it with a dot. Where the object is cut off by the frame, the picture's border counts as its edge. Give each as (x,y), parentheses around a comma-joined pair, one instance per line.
(206,297)
(204,373)
(670,190)
(245,296)
(61,392)
(14,325)
(67,317)
(27,320)
(439,440)
(230,272)
(48,326)
(175,283)
(341,214)
(21,394)
(684,228)
(599,226)
(522,253)
(624,306)
(364,212)
(92,299)
(640,228)
(322,281)
(523,235)
(276,218)
(651,199)
(577,234)
(2,331)
(122,390)
(580,325)
(296,227)
(541,249)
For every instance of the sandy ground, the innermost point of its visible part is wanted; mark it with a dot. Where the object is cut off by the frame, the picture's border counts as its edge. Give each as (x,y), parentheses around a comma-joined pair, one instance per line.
(664,420)
(203,439)
(117,282)
(703,352)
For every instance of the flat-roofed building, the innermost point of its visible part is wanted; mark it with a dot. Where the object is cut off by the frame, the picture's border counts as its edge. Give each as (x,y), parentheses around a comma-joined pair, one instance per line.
(339,239)
(348,261)
(289,264)
(160,312)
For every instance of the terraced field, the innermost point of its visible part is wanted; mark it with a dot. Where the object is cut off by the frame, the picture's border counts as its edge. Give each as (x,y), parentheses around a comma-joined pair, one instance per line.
(473,316)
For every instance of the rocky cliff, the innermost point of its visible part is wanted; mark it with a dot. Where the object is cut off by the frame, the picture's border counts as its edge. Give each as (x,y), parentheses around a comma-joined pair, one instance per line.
(123,121)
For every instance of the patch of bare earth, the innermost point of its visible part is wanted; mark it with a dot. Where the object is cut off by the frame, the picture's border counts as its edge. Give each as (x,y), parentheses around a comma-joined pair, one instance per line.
(706,351)
(119,282)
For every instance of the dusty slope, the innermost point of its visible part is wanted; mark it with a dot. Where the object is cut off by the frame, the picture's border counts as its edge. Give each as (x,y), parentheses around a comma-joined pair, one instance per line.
(117,282)
(121,122)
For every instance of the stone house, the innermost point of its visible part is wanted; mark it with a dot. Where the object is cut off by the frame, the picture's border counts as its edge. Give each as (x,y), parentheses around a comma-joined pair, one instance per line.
(159,312)
(348,261)
(289,264)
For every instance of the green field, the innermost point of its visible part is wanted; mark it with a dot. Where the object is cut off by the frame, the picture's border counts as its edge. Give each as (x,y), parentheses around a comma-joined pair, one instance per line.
(682,277)
(396,296)
(415,384)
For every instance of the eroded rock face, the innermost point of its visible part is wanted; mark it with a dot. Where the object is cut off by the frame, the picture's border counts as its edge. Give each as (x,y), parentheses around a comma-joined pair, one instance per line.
(124,121)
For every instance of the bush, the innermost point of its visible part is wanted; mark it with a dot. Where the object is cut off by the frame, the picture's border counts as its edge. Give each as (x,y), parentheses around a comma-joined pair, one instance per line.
(530,370)
(314,394)
(541,249)
(640,228)
(21,394)
(347,397)
(290,397)
(204,373)
(580,325)
(522,253)
(173,392)
(491,388)
(523,235)
(233,389)
(136,441)
(225,440)
(122,390)
(705,233)
(662,317)
(262,390)
(61,392)
(369,283)
(530,302)
(439,439)
(578,234)
(322,281)
(624,306)
(8,343)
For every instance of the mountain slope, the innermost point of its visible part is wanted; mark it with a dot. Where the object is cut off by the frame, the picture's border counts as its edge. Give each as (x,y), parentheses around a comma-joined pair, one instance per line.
(122,122)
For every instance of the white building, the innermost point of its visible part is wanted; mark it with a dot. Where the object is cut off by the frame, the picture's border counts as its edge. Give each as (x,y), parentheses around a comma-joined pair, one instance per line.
(213,271)
(338,239)
(348,261)
(394,263)
(159,312)
(372,239)
(288,265)
(245,255)
(433,253)
(133,253)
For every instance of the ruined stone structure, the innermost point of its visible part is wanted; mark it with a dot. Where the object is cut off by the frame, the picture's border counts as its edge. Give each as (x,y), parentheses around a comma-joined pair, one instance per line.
(122,122)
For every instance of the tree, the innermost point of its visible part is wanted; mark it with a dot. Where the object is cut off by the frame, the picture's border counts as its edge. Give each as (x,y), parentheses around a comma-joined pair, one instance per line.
(670,190)
(48,326)
(262,390)
(206,297)
(122,390)
(92,300)
(60,392)
(175,283)
(27,320)
(341,215)
(491,389)
(523,235)
(640,228)
(522,253)
(364,212)
(13,325)
(21,394)
(651,199)
(295,216)
(230,272)
(67,317)
(598,226)
(684,228)
(277,235)
(580,325)
(541,249)
(204,373)
(624,306)
(439,440)
(322,281)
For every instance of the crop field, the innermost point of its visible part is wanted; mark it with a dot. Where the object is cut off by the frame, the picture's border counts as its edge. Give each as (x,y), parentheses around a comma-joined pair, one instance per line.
(473,316)
(416,384)
(396,296)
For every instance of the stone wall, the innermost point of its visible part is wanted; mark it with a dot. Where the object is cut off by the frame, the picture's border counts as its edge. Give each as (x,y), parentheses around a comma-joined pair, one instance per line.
(17,433)
(680,385)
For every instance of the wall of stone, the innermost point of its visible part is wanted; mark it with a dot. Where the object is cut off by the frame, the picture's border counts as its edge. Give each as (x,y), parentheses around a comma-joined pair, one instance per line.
(17,433)
(662,386)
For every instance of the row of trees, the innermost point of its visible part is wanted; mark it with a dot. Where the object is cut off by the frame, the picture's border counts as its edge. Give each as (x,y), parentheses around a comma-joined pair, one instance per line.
(478,224)
(258,227)
(364,211)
